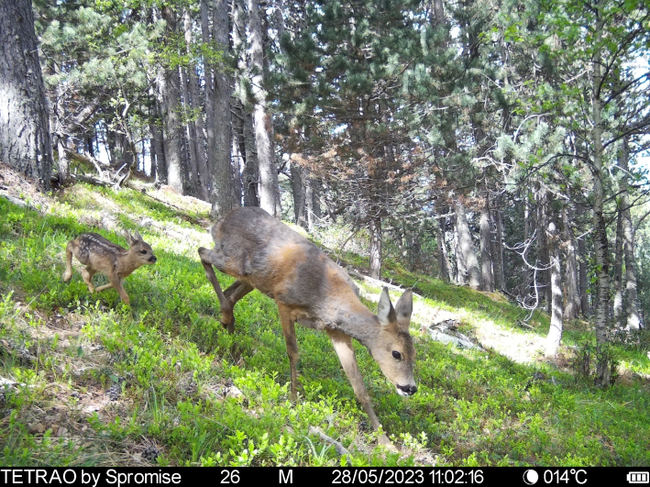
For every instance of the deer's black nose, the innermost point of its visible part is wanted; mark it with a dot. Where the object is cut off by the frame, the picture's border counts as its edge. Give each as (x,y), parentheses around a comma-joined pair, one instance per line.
(152,258)
(410,390)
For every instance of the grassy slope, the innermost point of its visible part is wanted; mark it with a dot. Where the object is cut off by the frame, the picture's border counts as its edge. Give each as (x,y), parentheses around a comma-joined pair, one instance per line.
(86,381)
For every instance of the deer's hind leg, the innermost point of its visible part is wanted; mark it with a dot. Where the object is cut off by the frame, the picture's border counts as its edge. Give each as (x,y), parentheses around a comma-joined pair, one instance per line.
(289,331)
(233,293)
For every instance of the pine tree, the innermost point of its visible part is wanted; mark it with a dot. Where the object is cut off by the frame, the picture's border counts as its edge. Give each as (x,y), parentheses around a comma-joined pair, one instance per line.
(25,141)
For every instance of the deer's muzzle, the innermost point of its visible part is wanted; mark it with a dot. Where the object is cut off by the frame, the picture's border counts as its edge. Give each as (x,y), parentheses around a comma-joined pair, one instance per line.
(407,390)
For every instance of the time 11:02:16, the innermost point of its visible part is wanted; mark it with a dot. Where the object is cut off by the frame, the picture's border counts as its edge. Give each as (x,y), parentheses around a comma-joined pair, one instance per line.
(456,477)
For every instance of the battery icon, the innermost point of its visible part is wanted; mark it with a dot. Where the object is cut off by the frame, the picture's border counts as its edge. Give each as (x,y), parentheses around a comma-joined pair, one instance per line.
(638,477)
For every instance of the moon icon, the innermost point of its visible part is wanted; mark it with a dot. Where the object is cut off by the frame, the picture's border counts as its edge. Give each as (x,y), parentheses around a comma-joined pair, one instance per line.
(531,477)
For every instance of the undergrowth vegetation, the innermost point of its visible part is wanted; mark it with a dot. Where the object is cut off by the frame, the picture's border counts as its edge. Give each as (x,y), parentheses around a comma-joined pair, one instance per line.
(85,380)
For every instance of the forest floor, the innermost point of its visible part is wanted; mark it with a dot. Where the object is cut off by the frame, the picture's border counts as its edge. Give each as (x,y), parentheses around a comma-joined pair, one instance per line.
(85,380)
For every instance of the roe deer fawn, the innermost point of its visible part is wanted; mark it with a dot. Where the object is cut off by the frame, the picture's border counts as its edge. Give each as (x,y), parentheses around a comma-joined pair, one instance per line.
(101,255)
(309,288)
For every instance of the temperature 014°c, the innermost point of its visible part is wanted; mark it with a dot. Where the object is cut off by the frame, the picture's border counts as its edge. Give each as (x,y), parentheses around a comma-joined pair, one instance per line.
(557,476)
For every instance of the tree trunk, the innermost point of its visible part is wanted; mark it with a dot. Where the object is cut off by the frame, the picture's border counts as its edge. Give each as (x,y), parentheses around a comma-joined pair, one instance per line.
(171,109)
(244,132)
(298,190)
(193,186)
(499,272)
(208,92)
(443,256)
(527,275)
(603,371)
(268,178)
(542,248)
(487,276)
(633,319)
(195,126)
(223,194)
(554,335)
(59,137)
(571,288)
(238,152)
(375,248)
(159,164)
(583,281)
(25,142)
(617,306)
(468,268)
(312,202)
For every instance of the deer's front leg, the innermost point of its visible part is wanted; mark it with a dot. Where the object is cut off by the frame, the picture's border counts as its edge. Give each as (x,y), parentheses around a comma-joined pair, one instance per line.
(343,348)
(208,259)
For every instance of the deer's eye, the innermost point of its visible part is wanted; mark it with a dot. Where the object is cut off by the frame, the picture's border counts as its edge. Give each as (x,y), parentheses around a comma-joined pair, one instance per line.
(143,251)
(397,355)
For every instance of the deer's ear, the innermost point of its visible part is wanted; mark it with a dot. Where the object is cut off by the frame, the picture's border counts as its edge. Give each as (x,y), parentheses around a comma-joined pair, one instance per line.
(385,310)
(404,309)
(404,306)
(129,237)
(138,237)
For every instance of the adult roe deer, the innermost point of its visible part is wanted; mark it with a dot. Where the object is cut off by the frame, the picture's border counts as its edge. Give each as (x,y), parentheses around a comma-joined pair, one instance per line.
(309,288)
(101,255)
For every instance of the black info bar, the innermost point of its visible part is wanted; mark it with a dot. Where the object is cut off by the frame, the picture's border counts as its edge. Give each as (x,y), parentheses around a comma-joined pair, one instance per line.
(323,476)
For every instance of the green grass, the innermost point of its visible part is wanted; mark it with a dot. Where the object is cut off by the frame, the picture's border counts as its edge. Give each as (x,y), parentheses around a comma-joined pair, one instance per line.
(89,381)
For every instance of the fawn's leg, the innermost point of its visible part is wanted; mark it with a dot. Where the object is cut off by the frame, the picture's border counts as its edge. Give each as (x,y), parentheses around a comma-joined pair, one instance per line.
(87,275)
(68,262)
(118,284)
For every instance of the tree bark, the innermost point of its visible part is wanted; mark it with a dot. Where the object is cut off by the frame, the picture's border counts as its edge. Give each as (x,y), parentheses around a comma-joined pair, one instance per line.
(487,276)
(554,335)
(571,287)
(25,142)
(499,272)
(603,371)
(195,126)
(298,191)
(617,284)
(375,248)
(223,194)
(209,94)
(468,268)
(268,178)
(244,133)
(193,186)
(633,319)
(444,266)
(583,281)
(171,108)
(542,248)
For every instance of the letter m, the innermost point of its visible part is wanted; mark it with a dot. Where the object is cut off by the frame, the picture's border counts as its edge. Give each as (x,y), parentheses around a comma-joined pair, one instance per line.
(286,477)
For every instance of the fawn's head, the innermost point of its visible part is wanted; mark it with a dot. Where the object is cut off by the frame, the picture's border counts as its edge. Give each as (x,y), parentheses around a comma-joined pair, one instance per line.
(393,348)
(140,252)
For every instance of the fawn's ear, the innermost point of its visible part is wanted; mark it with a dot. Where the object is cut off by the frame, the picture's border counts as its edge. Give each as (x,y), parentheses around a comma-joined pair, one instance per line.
(130,238)
(138,237)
